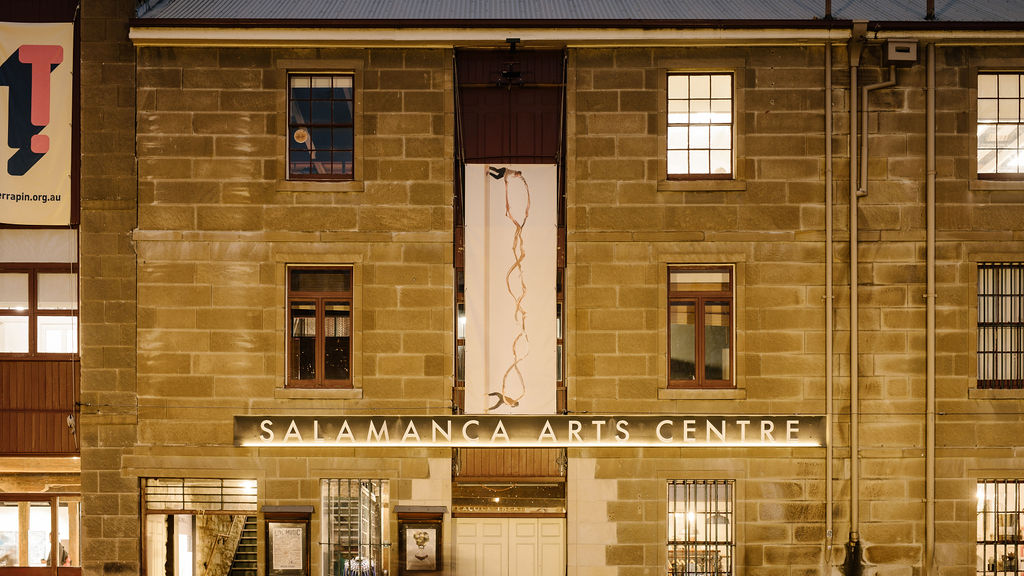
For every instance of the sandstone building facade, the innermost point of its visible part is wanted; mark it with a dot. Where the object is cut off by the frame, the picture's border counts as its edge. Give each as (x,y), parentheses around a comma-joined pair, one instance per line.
(277,236)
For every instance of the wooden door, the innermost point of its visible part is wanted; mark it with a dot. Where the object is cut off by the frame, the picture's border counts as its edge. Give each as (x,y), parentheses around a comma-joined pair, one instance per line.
(510,547)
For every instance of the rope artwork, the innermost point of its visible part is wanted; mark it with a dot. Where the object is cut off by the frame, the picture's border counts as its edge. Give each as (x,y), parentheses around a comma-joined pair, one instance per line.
(513,385)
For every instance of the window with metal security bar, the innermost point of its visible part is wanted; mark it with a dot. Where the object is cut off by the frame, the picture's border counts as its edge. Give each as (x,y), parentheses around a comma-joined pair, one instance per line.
(701,527)
(1000,125)
(354,525)
(200,494)
(1000,510)
(1001,325)
(191,524)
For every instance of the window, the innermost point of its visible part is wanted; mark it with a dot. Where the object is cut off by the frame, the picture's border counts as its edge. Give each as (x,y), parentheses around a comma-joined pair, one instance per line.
(27,522)
(700,126)
(1000,509)
(1001,325)
(320,327)
(38,309)
(321,134)
(700,327)
(701,533)
(187,518)
(354,526)
(1000,136)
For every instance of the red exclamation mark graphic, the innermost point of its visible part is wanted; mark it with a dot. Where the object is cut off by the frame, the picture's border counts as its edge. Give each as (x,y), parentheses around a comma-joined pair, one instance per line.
(40,58)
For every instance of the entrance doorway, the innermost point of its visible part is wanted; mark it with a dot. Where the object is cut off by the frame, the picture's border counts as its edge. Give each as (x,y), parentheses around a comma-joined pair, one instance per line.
(509,546)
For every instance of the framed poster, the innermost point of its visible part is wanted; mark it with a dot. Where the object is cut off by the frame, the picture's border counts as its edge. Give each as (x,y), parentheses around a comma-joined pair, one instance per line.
(287,544)
(420,547)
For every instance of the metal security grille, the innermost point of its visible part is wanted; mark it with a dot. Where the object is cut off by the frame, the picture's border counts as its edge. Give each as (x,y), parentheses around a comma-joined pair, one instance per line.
(999,527)
(701,534)
(1001,325)
(200,494)
(353,527)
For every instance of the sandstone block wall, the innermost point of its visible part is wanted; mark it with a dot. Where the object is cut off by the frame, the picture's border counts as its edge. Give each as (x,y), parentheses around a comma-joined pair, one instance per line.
(189,223)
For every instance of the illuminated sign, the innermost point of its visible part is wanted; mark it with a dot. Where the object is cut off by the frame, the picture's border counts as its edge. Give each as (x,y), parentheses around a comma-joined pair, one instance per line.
(529,431)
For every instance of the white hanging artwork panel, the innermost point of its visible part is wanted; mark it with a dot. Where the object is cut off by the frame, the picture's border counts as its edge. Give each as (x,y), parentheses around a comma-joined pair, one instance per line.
(511,241)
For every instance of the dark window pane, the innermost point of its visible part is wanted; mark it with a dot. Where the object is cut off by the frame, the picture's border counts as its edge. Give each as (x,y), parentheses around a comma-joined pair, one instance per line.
(342,112)
(342,138)
(682,339)
(299,155)
(321,112)
(342,163)
(302,344)
(321,141)
(325,280)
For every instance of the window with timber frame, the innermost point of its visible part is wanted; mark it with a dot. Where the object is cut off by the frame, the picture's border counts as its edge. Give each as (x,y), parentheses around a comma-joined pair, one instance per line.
(320,326)
(38,309)
(1000,126)
(700,126)
(700,327)
(321,126)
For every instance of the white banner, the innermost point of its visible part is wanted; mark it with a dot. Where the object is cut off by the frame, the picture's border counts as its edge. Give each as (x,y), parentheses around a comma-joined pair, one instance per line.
(511,242)
(36,62)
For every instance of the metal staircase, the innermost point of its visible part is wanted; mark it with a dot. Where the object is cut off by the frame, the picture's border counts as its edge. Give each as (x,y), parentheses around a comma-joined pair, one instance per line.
(244,562)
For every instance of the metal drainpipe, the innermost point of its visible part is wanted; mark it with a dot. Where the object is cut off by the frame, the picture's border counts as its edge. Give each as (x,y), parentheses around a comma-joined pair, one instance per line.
(829,533)
(929,550)
(855,47)
(854,323)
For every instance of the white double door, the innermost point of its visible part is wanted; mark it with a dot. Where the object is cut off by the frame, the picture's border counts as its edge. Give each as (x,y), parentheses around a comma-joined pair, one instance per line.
(510,547)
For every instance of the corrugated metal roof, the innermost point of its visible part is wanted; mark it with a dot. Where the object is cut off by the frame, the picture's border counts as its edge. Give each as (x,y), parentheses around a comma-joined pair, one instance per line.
(583,10)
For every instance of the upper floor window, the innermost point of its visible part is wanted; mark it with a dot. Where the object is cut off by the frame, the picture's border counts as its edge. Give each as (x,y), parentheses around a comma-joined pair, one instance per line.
(320,327)
(321,128)
(700,326)
(700,126)
(1001,325)
(701,527)
(999,514)
(1000,126)
(38,308)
